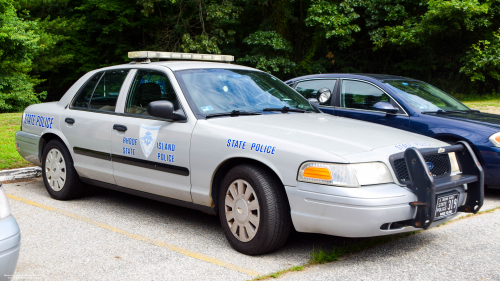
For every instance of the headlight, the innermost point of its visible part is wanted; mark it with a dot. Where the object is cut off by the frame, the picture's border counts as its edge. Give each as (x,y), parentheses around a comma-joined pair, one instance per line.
(455,168)
(495,139)
(4,204)
(349,175)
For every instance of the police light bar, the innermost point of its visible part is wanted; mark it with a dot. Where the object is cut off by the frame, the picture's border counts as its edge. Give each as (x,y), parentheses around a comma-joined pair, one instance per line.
(178,56)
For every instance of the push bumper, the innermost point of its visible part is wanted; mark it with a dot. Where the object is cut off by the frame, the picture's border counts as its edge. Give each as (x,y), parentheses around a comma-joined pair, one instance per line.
(10,244)
(387,208)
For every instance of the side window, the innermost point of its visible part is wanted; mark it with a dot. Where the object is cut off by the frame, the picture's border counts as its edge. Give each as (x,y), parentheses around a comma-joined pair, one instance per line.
(107,90)
(356,94)
(148,86)
(310,88)
(85,94)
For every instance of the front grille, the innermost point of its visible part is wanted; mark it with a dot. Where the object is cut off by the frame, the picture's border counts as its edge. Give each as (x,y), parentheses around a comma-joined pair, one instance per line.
(441,163)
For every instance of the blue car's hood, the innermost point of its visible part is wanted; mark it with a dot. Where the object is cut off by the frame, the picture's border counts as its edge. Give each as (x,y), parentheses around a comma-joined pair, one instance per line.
(486,119)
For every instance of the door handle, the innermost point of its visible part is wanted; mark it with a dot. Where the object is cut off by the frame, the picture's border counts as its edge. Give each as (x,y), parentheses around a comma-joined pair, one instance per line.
(120,128)
(69,120)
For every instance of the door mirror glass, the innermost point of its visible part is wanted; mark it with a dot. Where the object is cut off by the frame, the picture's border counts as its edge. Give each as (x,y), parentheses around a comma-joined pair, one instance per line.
(385,107)
(323,95)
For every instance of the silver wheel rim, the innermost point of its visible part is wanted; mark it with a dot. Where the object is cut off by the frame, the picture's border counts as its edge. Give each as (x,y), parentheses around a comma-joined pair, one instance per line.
(242,210)
(55,169)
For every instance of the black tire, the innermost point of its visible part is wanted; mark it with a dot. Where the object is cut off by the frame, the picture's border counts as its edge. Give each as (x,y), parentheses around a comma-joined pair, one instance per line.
(275,222)
(72,187)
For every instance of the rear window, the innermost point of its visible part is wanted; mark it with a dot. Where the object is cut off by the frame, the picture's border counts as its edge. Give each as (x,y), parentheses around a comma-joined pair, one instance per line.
(102,90)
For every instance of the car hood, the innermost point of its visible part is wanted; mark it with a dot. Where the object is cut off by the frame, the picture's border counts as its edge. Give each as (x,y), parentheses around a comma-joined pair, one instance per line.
(486,119)
(337,135)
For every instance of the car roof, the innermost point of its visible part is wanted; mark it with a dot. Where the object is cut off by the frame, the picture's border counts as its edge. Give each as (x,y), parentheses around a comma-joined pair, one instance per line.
(379,77)
(176,65)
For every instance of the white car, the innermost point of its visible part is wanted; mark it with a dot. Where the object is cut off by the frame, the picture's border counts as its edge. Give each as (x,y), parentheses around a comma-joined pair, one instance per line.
(10,239)
(235,141)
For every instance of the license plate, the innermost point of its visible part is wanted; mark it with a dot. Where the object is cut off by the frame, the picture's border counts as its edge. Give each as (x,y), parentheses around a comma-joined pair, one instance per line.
(446,205)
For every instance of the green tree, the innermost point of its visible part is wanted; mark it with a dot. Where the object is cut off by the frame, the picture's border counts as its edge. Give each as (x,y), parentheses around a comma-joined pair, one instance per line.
(18,45)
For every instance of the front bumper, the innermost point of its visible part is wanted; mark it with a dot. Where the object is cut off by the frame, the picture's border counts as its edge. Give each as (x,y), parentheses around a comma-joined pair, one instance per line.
(10,244)
(387,208)
(355,212)
(491,160)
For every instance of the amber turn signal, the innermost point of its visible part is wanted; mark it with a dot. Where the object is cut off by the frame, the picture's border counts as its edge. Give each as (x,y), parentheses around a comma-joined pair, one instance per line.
(317,173)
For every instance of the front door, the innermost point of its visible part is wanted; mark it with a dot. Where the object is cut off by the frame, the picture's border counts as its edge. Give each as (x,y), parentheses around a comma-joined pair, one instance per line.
(88,122)
(151,154)
(357,99)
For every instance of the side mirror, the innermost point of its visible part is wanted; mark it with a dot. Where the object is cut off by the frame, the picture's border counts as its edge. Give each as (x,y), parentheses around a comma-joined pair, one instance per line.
(385,107)
(163,109)
(323,95)
(315,103)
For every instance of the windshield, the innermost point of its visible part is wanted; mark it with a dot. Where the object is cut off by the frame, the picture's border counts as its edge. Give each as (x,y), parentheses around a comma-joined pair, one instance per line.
(424,96)
(214,91)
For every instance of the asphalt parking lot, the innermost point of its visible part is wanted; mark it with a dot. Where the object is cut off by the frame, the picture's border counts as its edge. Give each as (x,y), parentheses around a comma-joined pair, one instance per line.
(108,235)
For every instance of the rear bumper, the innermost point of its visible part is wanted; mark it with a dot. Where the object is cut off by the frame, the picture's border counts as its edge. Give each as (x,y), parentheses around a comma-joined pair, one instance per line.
(28,147)
(10,244)
(355,212)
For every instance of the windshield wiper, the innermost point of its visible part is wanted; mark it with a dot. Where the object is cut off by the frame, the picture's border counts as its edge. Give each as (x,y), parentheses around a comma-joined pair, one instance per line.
(232,114)
(437,111)
(447,111)
(284,109)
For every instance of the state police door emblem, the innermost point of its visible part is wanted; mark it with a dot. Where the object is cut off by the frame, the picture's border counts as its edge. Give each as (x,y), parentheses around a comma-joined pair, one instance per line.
(147,135)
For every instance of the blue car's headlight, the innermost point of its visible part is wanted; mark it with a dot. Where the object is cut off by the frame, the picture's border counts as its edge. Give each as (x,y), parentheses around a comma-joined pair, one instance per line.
(495,139)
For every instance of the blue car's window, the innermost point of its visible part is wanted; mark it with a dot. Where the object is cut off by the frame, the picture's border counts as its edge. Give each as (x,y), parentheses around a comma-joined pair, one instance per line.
(360,95)
(424,96)
(224,90)
(310,88)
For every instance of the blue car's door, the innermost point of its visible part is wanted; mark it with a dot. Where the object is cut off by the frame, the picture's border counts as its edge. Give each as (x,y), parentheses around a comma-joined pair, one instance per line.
(309,89)
(356,99)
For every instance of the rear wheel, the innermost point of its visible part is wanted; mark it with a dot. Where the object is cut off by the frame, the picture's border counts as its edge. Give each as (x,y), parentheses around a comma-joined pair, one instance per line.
(59,176)
(254,210)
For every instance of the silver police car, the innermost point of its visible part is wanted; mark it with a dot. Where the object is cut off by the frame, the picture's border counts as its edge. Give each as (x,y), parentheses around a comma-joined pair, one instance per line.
(10,239)
(235,141)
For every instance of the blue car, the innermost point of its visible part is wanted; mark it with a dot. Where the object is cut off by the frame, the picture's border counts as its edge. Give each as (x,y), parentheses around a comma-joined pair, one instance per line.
(410,105)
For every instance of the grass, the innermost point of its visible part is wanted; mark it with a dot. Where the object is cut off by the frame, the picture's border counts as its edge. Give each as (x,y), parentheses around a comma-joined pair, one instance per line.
(321,256)
(9,158)
(277,274)
(488,106)
(486,103)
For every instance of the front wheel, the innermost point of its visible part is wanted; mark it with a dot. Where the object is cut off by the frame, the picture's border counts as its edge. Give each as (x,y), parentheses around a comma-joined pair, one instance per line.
(254,210)
(59,176)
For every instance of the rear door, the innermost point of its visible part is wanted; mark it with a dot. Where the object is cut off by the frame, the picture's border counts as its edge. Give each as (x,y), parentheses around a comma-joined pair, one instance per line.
(309,89)
(357,99)
(151,154)
(88,122)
